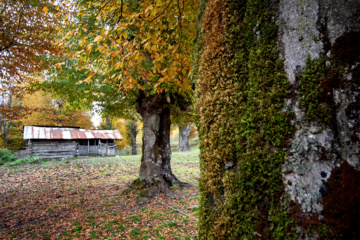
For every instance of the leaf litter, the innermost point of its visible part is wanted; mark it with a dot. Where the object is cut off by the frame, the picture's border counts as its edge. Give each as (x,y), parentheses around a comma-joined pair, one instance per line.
(85,199)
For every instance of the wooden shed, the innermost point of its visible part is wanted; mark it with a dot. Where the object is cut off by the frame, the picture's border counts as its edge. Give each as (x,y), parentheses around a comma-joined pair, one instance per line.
(66,142)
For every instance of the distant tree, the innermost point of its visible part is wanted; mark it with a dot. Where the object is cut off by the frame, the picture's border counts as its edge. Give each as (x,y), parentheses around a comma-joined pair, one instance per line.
(183,119)
(10,111)
(107,123)
(121,126)
(184,136)
(15,137)
(133,130)
(49,111)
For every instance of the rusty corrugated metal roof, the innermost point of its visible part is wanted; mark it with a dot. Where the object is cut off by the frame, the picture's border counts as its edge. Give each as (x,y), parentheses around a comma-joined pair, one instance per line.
(35,132)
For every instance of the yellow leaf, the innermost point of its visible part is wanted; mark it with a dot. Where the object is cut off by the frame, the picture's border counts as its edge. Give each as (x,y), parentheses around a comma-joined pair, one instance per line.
(189,74)
(88,79)
(45,10)
(149,8)
(78,52)
(100,49)
(98,39)
(69,34)
(147,46)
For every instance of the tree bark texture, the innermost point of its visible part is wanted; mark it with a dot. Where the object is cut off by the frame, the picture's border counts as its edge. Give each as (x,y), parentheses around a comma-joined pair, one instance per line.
(184,134)
(155,166)
(278,115)
(326,139)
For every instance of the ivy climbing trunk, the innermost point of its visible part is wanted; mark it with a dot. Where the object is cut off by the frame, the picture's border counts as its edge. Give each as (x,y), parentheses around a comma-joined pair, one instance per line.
(184,134)
(277,112)
(155,169)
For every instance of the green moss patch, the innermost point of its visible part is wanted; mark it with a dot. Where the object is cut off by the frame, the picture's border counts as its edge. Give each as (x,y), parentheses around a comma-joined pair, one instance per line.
(243,124)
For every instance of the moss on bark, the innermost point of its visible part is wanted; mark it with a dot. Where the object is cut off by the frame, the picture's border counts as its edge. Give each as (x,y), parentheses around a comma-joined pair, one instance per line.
(242,80)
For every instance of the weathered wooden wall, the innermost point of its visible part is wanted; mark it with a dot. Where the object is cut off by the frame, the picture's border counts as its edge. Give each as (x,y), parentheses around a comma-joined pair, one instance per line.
(107,149)
(68,148)
(53,149)
(104,149)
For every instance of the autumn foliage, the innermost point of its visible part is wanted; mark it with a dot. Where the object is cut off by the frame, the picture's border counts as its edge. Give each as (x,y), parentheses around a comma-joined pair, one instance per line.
(141,45)
(27,33)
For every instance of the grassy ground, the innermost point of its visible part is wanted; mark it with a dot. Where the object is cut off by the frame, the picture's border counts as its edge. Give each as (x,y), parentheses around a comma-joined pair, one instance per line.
(84,199)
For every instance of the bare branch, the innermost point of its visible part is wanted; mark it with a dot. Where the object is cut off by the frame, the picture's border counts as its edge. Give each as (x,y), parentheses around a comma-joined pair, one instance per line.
(162,12)
(101,8)
(179,211)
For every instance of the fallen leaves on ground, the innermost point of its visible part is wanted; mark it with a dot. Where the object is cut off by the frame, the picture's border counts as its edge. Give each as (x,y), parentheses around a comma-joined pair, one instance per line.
(84,199)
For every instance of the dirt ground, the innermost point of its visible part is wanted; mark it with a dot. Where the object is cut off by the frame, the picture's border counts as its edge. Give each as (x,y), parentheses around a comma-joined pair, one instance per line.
(84,199)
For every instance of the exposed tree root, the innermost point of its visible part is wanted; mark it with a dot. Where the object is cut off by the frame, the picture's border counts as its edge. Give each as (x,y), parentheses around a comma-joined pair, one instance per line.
(149,190)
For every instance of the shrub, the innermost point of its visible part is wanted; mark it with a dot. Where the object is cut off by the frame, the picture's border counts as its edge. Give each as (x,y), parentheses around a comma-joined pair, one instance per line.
(6,156)
(22,161)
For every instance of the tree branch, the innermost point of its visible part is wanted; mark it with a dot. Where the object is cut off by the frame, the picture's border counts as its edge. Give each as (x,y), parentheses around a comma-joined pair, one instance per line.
(161,12)
(179,211)
(101,9)
(6,47)
(121,10)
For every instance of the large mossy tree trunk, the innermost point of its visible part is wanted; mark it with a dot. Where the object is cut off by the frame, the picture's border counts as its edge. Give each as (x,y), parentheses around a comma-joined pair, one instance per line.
(155,169)
(278,118)
(184,134)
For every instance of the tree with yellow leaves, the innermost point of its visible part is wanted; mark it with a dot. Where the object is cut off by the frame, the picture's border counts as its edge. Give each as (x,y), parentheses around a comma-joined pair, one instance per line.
(27,33)
(138,54)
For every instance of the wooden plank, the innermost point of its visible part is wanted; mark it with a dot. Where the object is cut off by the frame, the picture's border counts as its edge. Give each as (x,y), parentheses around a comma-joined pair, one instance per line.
(56,156)
(54,144)
(55,148)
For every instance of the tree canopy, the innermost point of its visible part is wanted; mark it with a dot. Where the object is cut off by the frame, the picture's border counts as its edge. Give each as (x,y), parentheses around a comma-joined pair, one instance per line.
(27,33)
(121,50)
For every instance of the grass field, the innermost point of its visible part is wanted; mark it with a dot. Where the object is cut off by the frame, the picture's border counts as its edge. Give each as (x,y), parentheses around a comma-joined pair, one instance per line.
(84,199)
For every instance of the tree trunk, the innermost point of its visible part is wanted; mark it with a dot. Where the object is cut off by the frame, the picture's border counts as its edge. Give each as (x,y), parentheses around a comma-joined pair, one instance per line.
(133,134)
(278,115)
(6,130)
(155,169)
(109,122)
(184,134)
(6,123)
